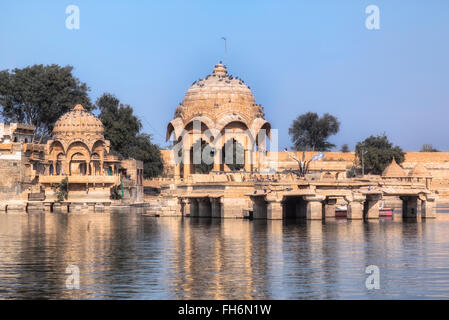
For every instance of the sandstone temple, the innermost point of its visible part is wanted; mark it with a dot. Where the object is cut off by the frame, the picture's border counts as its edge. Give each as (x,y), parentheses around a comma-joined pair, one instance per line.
(220,110)
(77,152)
(223,163)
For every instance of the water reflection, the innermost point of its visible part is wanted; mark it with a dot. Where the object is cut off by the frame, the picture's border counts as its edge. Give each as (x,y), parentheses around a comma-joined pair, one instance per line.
(126,255)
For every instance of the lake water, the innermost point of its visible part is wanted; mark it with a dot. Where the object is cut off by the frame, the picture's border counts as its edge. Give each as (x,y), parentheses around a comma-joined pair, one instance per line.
(126,255)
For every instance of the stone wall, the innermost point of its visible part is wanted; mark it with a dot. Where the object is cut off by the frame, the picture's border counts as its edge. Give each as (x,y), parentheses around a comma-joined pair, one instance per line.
(436,162)
(13,179)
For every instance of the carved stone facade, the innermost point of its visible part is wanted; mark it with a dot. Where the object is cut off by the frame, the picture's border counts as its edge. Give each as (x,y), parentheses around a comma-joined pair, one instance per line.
(78,151)
(217,110)
(78,146)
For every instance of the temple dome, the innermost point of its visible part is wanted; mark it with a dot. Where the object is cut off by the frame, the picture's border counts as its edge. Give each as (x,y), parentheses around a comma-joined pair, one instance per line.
(216,97)
(419,171)
(78,122)
(393,170)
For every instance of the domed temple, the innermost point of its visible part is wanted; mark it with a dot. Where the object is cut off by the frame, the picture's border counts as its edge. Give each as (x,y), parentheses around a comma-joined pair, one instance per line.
(218,166)
(78,146)
(79,151)
(218,110)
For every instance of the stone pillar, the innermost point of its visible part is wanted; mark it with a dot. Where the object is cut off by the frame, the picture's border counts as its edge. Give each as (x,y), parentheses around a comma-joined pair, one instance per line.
(259,208)
(47,206)
(371,208)
(186,162)
(274,209)
(355,207)
(409,207)
(314,207)
(329,207)
(185,207)
(215,207)
(428,207)
(177,173)
(194,207)
(204,208)
(428,183)
(247,160)
(217,160)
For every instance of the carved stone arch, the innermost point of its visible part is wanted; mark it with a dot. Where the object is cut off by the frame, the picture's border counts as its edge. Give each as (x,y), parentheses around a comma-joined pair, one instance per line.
(176,126)
(95,156)
(54,146)
(210,125)
(81,141)
(259,124)
(78,147)
(60,157)
(229,118)
(98,144)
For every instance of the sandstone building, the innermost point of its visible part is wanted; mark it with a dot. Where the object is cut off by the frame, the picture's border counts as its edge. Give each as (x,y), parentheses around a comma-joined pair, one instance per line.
(77,151)
(221,108)
(226,112)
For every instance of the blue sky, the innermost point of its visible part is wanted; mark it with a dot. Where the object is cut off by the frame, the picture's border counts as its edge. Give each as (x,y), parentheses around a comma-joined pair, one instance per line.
(296,56)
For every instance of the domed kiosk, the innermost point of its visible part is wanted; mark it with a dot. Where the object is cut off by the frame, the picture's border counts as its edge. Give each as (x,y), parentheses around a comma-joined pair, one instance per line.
(78,146)
(217,110)
(79,151)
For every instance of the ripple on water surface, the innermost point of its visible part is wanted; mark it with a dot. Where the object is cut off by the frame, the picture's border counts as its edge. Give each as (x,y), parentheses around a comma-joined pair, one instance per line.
(125,255)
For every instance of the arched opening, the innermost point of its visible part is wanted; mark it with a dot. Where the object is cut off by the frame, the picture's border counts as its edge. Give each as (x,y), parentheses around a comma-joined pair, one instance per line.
(56,148)
(294,207)
(202,162)
(59,160)
(78,157)
(233,155)
(95,164)
(78,165)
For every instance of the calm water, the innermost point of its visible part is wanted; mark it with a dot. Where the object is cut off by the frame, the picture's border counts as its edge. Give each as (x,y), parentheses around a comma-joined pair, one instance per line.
(125,255)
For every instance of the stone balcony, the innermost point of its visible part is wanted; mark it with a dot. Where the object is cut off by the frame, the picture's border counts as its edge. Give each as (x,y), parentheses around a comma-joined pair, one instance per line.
(115,180)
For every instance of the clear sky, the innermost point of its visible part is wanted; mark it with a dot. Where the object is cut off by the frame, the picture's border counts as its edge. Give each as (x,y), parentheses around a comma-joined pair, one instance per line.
(296,56)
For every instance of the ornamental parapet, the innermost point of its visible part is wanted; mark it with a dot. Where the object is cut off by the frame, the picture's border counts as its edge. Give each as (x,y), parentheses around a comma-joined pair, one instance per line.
(81,179)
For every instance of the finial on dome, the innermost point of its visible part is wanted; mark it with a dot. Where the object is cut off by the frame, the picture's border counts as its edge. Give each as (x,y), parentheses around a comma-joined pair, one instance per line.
(78,107)
(220,69)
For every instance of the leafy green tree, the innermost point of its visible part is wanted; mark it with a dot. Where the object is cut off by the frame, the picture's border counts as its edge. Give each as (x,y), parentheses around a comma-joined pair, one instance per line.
(345,148)
(39,95)
(142,149)
(428,148)
(62,190)
(122,129)
(120,124)
(310,132)
(378,153)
